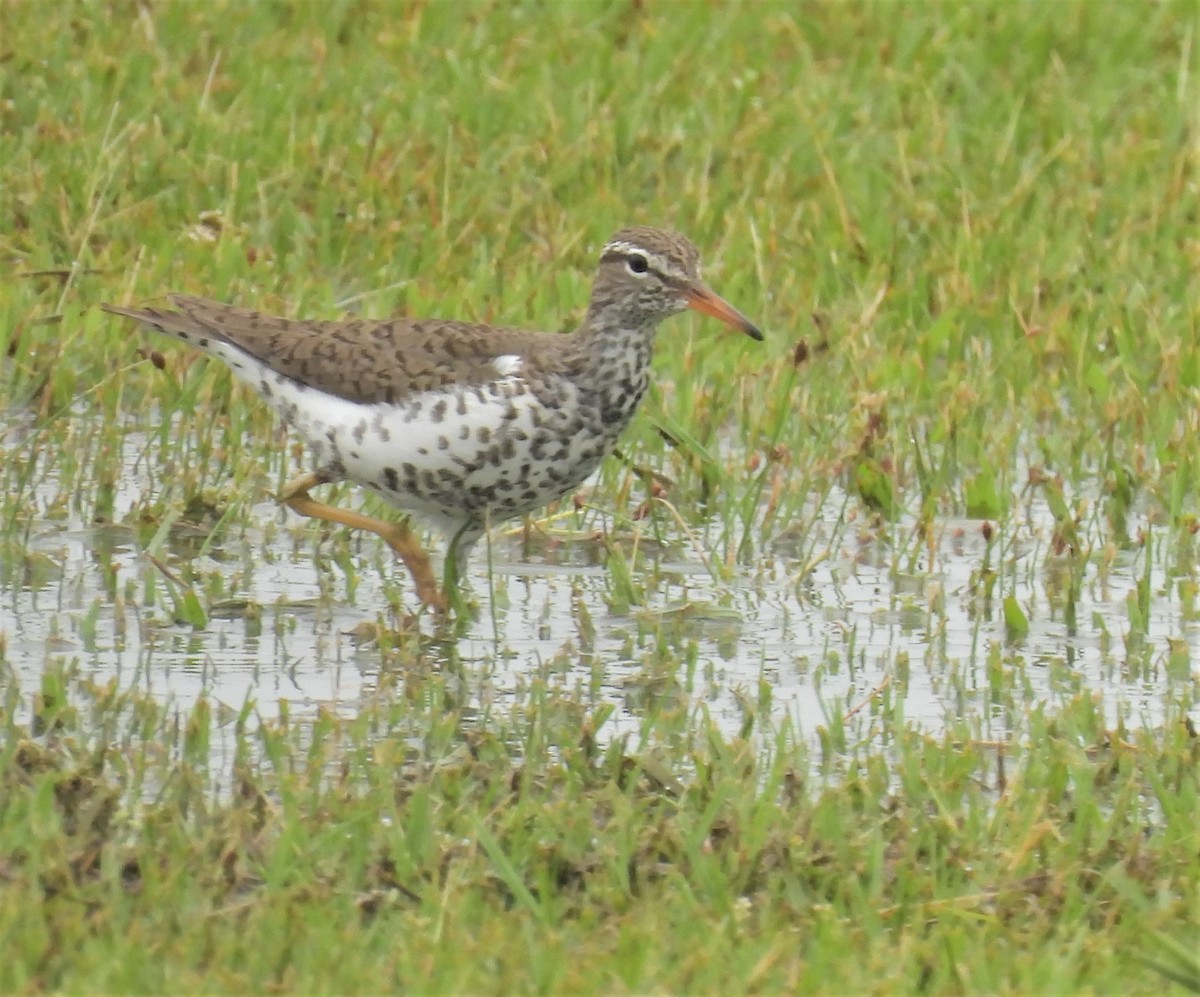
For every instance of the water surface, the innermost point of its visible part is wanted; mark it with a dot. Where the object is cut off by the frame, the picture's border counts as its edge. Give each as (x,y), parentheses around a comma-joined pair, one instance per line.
(821,624)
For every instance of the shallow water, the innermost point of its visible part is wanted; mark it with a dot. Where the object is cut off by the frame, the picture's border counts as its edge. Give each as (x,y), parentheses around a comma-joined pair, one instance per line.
(809,646)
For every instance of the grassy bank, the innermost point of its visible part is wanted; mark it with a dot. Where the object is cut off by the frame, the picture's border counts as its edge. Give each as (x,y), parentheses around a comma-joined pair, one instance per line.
(419,847)
(969,231)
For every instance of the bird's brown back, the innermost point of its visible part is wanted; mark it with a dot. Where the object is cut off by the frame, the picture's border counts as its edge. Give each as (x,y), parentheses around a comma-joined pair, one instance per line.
(362,360)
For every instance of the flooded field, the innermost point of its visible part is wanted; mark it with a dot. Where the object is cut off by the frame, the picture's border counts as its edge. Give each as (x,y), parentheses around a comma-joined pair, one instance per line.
(867,665)
(841,617)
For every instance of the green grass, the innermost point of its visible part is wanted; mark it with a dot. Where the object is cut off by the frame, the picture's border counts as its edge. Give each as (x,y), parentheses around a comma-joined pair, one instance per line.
(970,232)
(402,849)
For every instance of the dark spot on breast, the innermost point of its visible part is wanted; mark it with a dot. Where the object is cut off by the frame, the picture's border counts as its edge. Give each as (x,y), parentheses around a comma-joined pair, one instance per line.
(392,478)
(438,412)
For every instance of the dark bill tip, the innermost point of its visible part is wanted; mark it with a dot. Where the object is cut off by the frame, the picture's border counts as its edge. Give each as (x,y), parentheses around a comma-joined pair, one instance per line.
(703,300)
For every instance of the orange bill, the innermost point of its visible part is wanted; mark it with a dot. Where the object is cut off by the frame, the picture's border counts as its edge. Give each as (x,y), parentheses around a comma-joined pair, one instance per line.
(703,300)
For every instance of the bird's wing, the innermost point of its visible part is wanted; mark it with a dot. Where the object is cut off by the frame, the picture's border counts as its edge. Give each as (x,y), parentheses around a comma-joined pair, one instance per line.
(363,360)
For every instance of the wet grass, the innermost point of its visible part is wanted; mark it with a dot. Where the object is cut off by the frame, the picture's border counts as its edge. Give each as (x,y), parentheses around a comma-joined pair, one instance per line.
(391,850)
(970,232)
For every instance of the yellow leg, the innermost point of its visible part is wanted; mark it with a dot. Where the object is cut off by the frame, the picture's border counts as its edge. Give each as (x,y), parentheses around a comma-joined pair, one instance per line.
(396,535)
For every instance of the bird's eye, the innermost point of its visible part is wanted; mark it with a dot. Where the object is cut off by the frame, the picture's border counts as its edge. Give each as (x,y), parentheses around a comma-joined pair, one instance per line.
(637,263)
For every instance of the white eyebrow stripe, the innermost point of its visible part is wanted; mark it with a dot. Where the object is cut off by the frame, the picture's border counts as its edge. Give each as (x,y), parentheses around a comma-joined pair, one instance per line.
(626,247)
(659,263)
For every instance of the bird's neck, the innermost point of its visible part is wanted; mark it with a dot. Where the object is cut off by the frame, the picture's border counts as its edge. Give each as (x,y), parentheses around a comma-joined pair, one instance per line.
(615,365)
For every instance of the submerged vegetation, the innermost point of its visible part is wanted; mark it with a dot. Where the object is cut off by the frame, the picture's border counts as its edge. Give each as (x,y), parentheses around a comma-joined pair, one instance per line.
(869,665)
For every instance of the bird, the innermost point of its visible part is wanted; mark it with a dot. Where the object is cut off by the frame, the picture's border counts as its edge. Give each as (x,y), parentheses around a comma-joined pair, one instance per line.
(462,424)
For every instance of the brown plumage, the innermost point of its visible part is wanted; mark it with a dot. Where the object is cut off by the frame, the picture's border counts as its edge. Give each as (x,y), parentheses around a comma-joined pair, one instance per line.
(361,360)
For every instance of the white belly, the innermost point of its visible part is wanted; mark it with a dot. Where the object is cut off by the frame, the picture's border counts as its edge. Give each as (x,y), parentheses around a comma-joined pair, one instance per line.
(464,454)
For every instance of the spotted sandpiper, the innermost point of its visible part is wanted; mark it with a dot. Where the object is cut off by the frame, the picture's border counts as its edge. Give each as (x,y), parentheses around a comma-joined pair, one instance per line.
(461,424)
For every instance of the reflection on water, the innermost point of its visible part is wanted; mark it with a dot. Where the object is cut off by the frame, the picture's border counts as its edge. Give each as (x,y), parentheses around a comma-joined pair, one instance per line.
(809,632)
